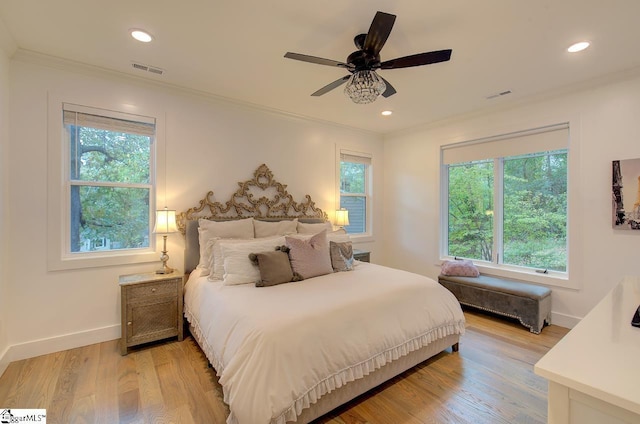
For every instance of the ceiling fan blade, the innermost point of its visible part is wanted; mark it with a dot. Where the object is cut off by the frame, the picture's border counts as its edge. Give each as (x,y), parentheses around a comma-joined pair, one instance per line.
(378,32)
(417,59)
(316,60)
(337,83)
(390,91)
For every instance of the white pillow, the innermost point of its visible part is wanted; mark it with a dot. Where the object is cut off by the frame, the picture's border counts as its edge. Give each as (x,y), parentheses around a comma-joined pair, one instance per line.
(314,228)
(209,264)
(338,236)
(277,228)
(301,236)
(206,252)
(216,261)
(239,228)
(207,229)
(238,268)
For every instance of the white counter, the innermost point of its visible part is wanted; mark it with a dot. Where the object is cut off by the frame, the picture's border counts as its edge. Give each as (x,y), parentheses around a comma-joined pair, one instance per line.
(594,371)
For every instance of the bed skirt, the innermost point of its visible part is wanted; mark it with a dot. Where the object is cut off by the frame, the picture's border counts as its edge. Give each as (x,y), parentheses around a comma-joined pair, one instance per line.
(355,388)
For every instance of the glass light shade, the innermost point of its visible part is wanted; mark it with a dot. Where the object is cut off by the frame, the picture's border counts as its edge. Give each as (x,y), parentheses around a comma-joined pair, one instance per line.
(165,222)
(364,87)
(342,218)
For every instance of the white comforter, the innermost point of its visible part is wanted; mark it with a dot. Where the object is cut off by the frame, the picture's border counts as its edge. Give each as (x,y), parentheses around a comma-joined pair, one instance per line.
(279,349)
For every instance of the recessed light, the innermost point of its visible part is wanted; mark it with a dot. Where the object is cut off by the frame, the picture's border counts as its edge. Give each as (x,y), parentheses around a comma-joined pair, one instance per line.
(386,112)
(141,35)
(578,47)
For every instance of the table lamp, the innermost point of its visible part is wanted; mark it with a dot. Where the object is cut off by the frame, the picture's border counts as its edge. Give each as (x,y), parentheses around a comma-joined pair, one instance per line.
(165,225)
(342,218)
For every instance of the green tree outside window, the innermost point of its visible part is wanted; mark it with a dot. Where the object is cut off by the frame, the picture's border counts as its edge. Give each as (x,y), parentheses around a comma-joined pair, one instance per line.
(109,185)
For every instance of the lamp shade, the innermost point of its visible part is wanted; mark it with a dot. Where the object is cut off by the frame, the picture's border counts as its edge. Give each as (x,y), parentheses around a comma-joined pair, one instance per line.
(342,217)
(165,222)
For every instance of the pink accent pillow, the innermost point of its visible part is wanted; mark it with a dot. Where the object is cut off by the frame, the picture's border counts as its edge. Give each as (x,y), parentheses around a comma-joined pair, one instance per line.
(310,258)
(459,268)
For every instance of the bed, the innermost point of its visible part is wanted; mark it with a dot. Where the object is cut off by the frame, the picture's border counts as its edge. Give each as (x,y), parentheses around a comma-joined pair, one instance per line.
(291,352)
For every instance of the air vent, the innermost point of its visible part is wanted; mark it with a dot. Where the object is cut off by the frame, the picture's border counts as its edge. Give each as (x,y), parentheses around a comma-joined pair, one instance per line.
(147,68)
(141,67)
(496,95)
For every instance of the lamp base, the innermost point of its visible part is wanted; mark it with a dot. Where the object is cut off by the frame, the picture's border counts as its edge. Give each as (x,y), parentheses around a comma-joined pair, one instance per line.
(164,258)
(165,270)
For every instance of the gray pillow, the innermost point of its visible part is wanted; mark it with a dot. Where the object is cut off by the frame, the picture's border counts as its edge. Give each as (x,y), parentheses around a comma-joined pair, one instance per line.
(341,255)
(274,267)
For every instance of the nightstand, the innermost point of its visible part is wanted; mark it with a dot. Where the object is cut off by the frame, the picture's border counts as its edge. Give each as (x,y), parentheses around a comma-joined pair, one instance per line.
(361,255)
(151,308)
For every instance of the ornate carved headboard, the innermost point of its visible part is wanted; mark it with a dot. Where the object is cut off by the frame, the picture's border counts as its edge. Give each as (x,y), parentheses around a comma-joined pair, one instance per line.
(261,197)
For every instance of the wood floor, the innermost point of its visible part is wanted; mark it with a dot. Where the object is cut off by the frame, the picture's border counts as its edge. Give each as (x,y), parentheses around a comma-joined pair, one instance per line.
(490,380)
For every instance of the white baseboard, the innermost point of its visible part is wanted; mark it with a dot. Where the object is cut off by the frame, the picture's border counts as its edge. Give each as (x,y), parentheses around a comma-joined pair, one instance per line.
(563,320)
(34,348)
(4,361)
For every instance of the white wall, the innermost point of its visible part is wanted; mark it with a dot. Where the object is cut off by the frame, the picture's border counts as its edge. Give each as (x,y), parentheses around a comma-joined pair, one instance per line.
(7,47)
(210,145)
(604,127)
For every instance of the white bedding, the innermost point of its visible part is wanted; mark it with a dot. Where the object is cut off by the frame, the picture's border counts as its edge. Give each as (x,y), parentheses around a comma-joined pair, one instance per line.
(278,349)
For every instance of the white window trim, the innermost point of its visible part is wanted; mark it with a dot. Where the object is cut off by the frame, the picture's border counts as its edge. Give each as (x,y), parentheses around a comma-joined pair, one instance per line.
(57,195)
(573,277)
(368,235)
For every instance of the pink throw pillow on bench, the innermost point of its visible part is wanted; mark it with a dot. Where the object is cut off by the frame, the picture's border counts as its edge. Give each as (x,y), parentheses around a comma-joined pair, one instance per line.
(459,268)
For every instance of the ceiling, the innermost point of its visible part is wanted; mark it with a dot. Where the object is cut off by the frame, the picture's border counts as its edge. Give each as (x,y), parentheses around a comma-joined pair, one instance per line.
(234,49)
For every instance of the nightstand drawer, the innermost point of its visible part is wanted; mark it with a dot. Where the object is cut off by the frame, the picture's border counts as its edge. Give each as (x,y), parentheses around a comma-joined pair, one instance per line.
(151,291)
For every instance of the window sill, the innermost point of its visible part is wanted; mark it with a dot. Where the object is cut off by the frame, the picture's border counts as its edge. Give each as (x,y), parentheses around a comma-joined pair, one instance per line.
(99,260)
(361,238)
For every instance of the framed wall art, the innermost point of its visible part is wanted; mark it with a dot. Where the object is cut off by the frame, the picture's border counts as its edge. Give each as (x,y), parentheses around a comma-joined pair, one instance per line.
(626,194)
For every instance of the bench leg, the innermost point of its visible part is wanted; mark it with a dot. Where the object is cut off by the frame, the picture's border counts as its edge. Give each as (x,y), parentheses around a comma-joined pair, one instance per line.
(455,347)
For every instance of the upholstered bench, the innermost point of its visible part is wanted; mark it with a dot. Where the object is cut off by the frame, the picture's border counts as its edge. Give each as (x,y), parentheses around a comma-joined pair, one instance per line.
(528,303)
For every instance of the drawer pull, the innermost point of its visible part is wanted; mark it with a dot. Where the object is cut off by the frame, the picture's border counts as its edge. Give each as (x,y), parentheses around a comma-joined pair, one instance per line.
(130,322)
(153,290)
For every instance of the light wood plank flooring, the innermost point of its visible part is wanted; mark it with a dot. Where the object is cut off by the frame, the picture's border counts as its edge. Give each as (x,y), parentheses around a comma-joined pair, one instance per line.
(490,380)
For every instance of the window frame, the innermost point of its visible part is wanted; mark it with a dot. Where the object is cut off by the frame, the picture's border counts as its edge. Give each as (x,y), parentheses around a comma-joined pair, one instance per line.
(569,278)
(59,256)
(367,235)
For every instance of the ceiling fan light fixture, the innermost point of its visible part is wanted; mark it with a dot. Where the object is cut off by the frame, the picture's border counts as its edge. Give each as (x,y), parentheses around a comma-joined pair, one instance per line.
(364,87)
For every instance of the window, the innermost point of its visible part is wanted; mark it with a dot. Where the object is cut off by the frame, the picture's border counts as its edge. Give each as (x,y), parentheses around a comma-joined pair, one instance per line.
(109,184)
(506,200)
(355,191)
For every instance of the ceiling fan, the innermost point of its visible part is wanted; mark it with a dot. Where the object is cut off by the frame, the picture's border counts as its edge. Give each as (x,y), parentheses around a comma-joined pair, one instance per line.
(364,84)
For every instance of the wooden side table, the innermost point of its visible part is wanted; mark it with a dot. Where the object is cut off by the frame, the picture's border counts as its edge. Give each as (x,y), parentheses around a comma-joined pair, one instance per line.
(151,308)
(361,255)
